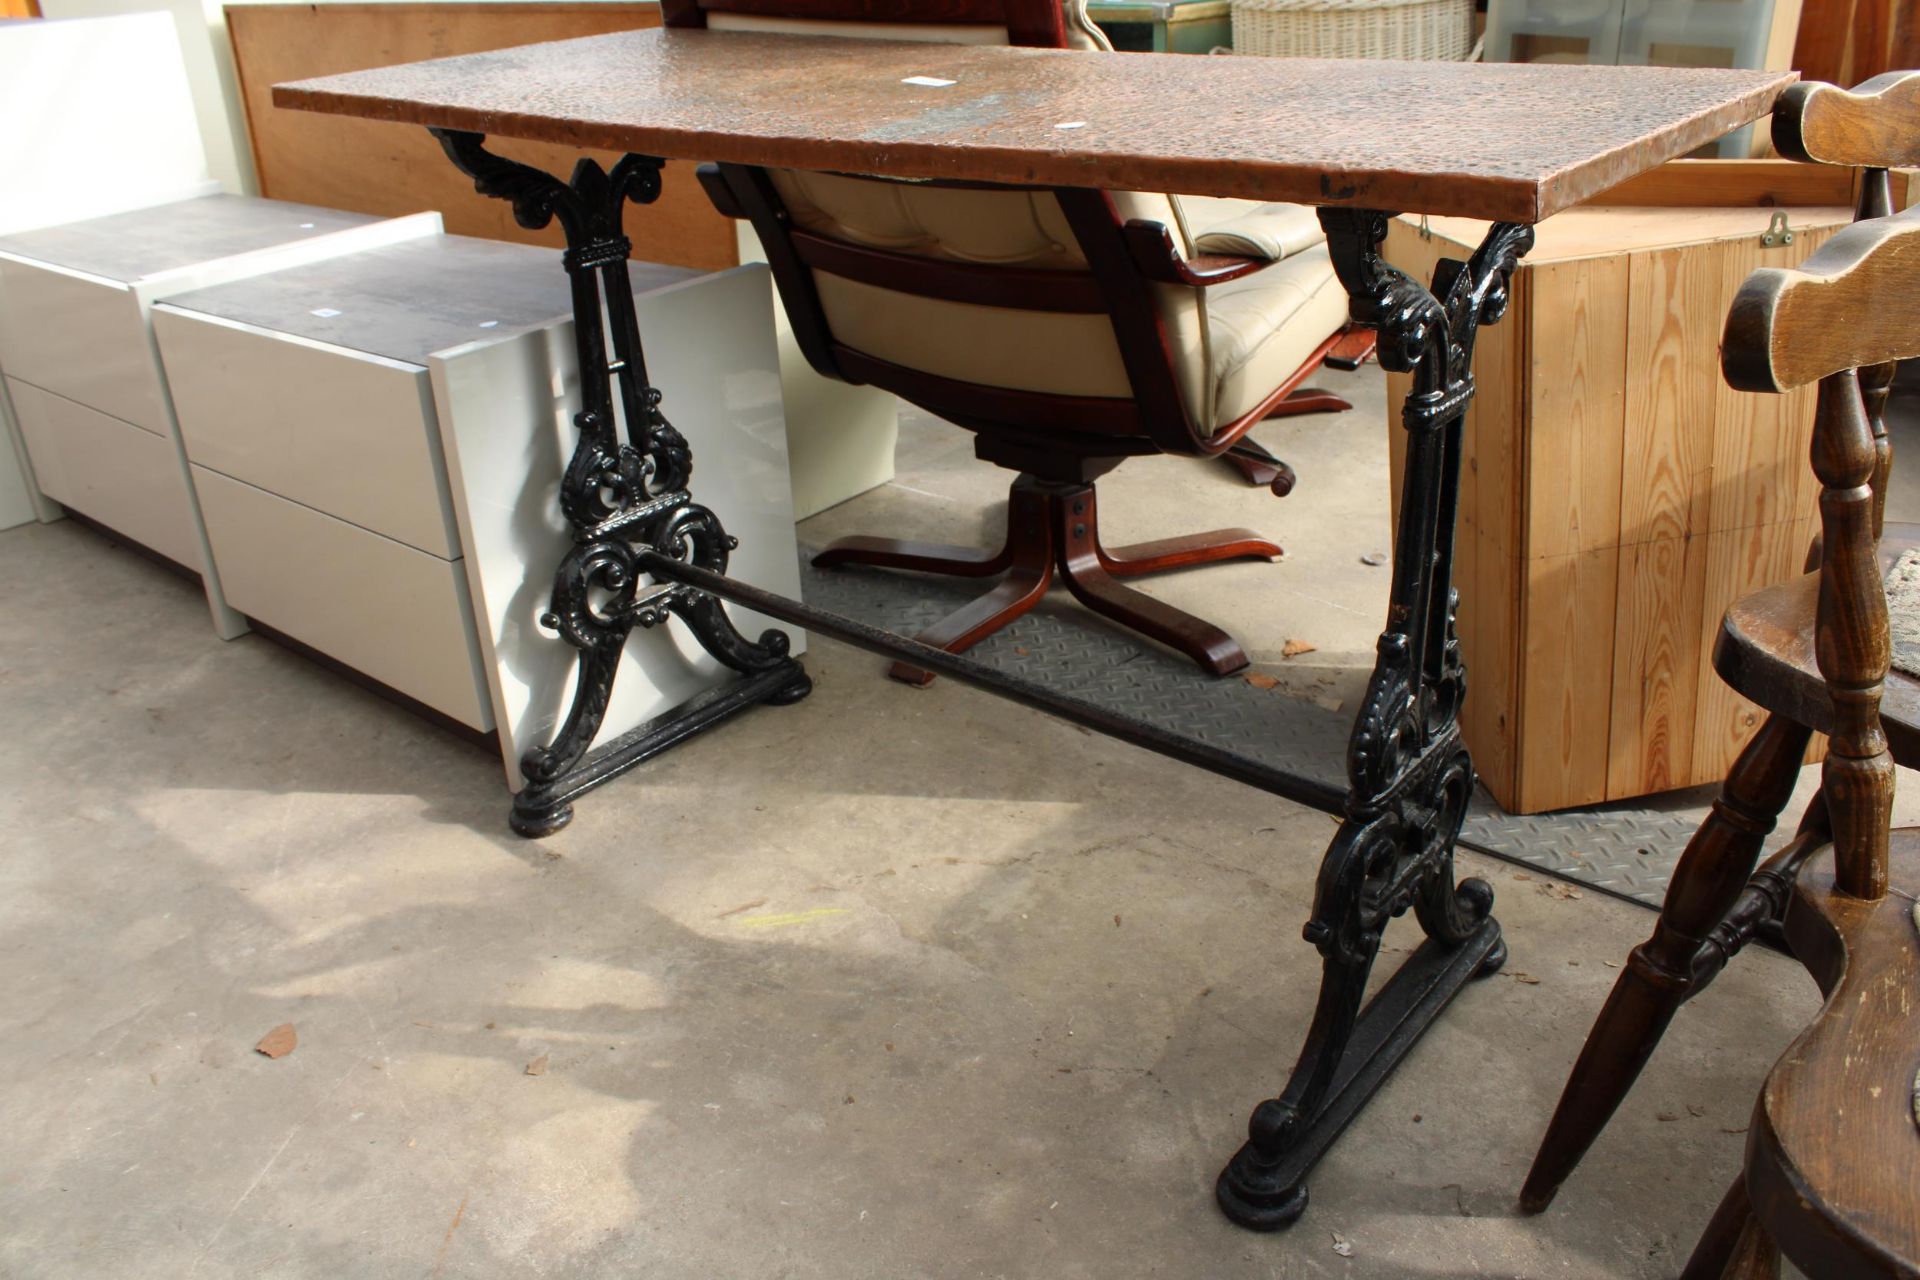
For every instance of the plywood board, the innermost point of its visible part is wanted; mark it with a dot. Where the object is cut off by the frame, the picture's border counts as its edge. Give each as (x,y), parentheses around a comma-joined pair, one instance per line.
(347,163)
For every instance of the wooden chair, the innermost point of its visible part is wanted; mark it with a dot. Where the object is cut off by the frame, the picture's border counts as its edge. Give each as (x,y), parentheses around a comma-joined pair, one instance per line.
(1068,329)
(1832,1173)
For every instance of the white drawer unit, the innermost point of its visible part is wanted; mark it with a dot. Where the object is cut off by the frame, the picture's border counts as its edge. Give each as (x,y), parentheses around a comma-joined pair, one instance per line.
(92,461)
(78,349)
(378,439)
(379,606)
(113,128)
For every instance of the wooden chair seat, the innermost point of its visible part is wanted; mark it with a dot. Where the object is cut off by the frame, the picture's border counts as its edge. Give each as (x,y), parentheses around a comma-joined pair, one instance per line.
(1833,1157)
(1765,652)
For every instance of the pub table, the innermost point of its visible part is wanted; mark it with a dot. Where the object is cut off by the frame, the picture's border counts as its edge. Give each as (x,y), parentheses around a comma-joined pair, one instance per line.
(1508,143)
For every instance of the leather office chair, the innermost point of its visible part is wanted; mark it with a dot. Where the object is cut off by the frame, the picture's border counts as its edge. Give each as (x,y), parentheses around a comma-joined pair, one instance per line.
(1833,1152)
(1069,329)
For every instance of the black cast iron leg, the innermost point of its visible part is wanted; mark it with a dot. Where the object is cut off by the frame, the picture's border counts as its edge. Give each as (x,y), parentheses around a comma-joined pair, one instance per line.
(623,496)
(1409,777)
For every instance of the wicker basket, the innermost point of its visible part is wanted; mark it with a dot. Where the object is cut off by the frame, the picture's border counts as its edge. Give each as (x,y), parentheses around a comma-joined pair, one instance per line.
(1435,30)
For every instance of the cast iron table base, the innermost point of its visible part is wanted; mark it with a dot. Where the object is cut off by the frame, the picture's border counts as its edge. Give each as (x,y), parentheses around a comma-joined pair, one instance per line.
(644,551)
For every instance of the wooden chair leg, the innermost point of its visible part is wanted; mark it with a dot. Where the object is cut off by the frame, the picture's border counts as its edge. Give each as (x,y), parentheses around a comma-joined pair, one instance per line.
(1259,472)
(1734,1246)
(1092,586)
(1182,553)
(1309,400)
(1054,527)
(1659,975)
(922,557)
(1030,548)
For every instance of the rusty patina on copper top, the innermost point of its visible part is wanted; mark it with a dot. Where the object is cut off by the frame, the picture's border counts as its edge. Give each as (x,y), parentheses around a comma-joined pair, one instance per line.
(1513,142)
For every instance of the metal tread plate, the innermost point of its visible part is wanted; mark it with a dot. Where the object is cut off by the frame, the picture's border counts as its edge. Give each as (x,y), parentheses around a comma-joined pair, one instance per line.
(1627,850)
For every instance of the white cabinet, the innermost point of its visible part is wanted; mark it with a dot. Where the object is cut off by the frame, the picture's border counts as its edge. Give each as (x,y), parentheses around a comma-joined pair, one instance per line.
(377,440)
(78,351)
(93,461)
(102,120)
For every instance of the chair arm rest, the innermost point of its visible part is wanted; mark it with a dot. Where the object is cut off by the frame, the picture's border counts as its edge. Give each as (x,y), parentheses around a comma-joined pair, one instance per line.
(1151,245)
(1271,231)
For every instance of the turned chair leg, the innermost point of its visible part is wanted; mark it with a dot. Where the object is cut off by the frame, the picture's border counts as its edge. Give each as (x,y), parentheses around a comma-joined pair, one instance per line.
(1734,1246)
(1660,972)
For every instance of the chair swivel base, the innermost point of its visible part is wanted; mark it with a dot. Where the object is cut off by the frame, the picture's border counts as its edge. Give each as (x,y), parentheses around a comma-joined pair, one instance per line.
(1259,466)
(1053,528)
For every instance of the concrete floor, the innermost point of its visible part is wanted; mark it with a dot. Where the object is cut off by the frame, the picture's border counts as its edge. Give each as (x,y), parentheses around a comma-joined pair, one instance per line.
(886,984)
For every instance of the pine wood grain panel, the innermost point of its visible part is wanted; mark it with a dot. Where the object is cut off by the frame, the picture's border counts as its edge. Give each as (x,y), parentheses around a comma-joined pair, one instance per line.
(1595,683)
(347,163)
(1567,636)
(1674,312)
(1489,570)
(1490,583)
(1492,464)
(1656,672)
(1760,474)
(1739,562)
(1776,182)
(1571,432)
(1564,426)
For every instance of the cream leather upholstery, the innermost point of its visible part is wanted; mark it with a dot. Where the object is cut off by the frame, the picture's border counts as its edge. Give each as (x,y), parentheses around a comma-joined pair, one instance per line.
(1248,230)
(1233,344)
(1262,327)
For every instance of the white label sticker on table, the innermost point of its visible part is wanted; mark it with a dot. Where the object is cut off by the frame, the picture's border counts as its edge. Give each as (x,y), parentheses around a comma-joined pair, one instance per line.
(325,313)
(930,82)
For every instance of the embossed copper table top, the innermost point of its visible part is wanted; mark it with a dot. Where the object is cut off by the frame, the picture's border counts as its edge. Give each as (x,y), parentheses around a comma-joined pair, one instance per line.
(1503,141)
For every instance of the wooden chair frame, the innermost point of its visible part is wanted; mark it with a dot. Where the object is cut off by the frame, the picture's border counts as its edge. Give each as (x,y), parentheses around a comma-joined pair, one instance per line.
(1058,443)
(1125,260)
(1838,320)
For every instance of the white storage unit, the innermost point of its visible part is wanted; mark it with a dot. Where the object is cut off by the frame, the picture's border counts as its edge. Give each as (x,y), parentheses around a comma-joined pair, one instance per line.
(82,373)
(840,438)
(103,121)
(377,442)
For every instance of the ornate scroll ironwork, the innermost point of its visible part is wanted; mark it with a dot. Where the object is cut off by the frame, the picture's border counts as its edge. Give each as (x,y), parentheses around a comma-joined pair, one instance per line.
(621,495)
(1408,770)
